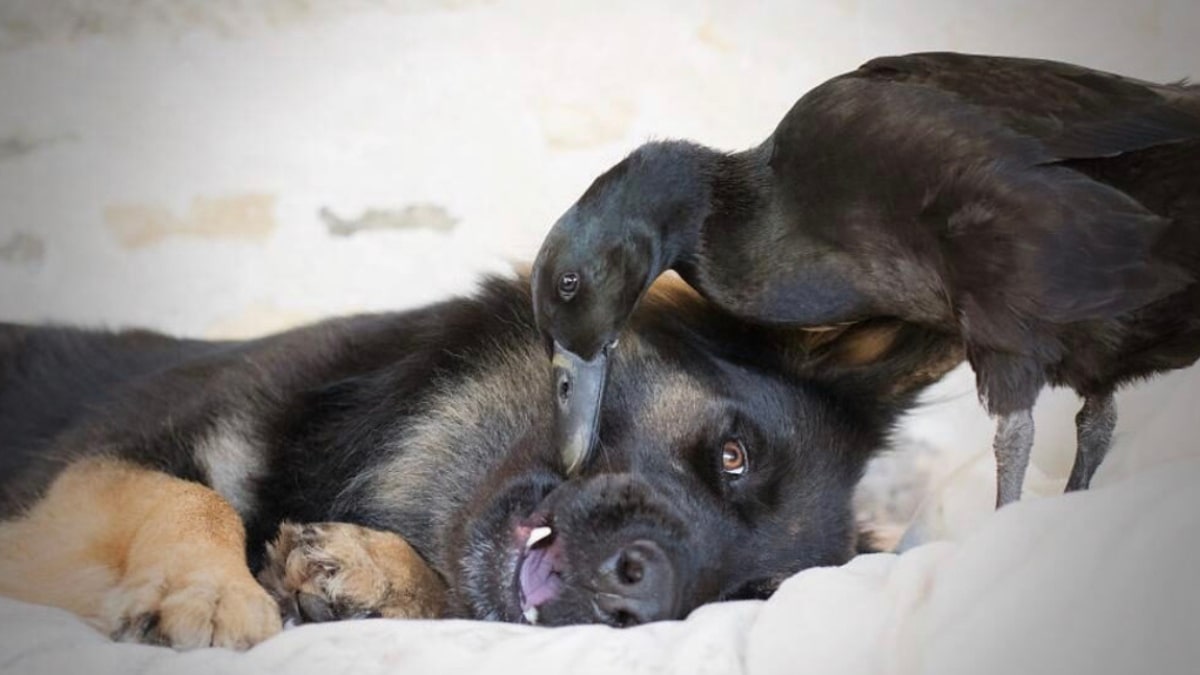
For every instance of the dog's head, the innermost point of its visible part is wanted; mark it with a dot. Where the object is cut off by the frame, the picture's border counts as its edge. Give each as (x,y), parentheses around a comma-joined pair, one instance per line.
(728,455)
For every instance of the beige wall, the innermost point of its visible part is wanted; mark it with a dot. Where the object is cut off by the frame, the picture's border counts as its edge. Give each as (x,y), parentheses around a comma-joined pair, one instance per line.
(194,165)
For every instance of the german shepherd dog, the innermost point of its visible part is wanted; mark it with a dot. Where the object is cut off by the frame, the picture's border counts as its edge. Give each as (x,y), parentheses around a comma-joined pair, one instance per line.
(205,493)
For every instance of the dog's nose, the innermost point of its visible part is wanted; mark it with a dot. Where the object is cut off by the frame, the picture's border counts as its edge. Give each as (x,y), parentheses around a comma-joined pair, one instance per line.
(637,585)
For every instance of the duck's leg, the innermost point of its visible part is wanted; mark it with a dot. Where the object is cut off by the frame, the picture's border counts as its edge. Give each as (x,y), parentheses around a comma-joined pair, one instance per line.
(1009,384)
(1094,426)
(1012,445)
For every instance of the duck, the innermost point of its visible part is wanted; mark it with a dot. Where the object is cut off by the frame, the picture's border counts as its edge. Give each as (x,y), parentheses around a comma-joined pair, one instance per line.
(1046,213)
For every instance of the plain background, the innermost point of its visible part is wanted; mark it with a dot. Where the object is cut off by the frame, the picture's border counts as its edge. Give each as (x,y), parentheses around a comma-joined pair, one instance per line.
(224,168)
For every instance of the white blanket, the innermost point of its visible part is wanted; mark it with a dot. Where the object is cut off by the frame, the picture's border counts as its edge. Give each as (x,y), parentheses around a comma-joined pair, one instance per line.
(1098,582)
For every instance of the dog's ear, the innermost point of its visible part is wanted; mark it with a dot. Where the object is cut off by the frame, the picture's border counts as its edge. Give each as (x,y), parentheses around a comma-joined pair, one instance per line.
(888,358)
(885,359)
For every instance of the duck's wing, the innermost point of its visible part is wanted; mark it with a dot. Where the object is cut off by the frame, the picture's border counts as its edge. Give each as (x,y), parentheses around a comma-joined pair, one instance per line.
(948,166)
(1075,112)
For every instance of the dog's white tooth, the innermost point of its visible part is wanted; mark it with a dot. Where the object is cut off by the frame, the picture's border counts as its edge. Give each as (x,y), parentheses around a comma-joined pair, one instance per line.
(531,615)
(537,534)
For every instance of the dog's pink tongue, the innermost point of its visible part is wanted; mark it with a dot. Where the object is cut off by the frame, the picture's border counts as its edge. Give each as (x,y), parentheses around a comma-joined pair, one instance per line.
(540,582)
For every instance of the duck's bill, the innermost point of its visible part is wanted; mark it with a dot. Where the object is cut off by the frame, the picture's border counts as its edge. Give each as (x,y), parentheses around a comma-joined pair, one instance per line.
(579,391)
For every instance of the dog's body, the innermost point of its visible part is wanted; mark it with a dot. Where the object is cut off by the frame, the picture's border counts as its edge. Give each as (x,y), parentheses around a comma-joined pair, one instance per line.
(434,425)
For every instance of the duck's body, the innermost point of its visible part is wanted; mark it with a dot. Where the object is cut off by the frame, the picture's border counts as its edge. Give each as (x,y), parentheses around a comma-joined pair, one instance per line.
(1047,213)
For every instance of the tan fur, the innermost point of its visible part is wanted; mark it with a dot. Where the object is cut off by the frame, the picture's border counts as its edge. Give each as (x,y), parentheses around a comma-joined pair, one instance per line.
(433,443)
(848,345)
(671,290)
(860,347)
(931,371)
(810,339)
(140,555)
(355,571)
(232,459)
(672,293)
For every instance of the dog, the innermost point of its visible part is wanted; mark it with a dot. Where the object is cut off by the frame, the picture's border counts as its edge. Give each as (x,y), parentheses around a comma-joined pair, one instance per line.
(195,493)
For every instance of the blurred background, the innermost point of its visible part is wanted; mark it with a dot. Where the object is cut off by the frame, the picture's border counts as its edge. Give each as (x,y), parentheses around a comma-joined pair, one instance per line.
(226,168)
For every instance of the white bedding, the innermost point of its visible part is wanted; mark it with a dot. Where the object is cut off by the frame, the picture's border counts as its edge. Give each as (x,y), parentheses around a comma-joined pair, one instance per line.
(1099,582)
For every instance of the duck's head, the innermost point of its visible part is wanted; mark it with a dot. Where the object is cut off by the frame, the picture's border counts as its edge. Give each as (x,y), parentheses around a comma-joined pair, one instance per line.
(631,225)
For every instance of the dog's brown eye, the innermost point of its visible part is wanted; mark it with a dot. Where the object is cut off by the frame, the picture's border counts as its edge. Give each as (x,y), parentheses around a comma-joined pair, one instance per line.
(733,457)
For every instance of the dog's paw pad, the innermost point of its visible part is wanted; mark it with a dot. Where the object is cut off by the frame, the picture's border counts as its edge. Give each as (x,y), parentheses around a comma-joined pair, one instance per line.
(323,572)
(333,571)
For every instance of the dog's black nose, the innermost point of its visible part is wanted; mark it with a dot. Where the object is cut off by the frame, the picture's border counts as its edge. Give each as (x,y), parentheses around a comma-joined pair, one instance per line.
(637,585)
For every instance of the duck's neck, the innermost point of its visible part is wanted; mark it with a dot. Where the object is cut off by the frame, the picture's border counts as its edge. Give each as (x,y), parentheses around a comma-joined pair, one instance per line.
(725,190)
(700,186)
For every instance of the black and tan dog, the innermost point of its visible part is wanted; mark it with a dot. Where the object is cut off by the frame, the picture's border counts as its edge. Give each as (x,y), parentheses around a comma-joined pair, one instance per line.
(147,477)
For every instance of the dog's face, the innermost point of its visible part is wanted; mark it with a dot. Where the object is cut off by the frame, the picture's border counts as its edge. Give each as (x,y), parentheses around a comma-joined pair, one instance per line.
(714,479)
(706,485)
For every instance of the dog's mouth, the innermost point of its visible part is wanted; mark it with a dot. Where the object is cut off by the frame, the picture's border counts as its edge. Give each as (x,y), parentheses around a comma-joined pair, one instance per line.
(540,564)
(551,553)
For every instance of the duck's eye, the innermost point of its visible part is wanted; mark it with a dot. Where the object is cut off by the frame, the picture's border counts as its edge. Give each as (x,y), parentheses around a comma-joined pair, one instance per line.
(734,461)
(568,284)
(564,388)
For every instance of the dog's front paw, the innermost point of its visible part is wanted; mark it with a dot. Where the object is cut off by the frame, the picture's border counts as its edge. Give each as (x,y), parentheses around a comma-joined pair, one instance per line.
(334,571)
(202,611)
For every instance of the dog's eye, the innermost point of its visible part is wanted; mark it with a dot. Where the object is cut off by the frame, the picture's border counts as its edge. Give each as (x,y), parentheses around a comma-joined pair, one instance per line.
(734,461)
